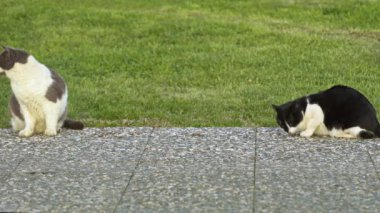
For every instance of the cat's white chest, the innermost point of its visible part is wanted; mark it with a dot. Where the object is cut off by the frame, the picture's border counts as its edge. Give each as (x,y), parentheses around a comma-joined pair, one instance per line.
(312,122)
(32,94)
(32,99)
(322,130)
(30,80)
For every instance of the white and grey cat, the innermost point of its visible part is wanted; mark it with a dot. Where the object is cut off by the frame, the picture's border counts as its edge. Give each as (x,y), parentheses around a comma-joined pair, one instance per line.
(340,111)
(38,103)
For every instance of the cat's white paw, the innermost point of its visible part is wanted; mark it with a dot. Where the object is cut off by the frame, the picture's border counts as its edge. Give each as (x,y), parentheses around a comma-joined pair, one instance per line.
(50,132)
(17,124)
(306,134)
(293,130)
(25,133)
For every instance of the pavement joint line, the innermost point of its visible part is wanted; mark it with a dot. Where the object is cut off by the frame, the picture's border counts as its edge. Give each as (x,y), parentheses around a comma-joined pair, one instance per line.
(374,165)
(13,171)
(135,169)
(254,174)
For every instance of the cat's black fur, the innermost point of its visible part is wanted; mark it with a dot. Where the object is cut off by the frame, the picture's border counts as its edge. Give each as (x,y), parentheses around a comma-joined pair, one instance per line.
(343,108)
(10,56)
(290,112)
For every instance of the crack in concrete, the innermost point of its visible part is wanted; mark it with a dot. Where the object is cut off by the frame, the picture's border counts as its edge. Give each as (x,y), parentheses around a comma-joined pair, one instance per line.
(254,174)
(135,169)
(374,165)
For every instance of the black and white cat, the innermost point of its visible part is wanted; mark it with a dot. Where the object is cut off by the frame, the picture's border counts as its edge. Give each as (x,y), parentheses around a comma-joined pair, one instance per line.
(38,103)
(340,111)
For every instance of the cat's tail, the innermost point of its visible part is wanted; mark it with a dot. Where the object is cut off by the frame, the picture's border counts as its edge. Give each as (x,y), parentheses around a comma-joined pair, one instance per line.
(71,124)
(366,134)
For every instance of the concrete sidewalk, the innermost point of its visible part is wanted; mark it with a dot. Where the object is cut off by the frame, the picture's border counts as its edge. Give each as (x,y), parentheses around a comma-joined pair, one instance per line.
(187,170)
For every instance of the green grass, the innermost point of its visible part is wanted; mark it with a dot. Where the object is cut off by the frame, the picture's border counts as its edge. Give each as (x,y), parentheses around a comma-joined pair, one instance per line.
(195,63)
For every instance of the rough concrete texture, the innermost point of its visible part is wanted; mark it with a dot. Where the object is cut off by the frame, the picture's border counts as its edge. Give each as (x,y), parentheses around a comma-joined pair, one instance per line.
(319,174)
(187,170)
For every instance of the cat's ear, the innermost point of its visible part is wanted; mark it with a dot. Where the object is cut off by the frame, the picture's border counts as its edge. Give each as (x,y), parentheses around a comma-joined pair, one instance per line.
(7,51)
(275,107)
(297,106)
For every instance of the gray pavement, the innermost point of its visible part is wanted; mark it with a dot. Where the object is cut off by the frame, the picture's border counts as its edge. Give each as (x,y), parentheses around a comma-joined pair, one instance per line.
(187,170)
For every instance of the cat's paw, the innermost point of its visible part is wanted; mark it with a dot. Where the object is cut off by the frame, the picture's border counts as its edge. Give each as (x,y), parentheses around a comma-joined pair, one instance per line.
(25,133)
(50,132)
(306,134)
(293,130)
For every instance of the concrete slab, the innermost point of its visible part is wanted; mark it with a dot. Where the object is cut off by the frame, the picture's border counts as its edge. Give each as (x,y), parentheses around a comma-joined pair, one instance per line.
(294,174)
(107,149)
(62,192)
(74,171)
(192,170)
(177,188)
(9,153)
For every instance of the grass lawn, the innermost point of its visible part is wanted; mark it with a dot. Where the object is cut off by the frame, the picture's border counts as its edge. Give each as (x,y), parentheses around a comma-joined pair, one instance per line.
(195,63)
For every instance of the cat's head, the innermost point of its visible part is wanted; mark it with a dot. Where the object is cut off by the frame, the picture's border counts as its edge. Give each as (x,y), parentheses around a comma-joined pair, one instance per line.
(290,114)
(10,56)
